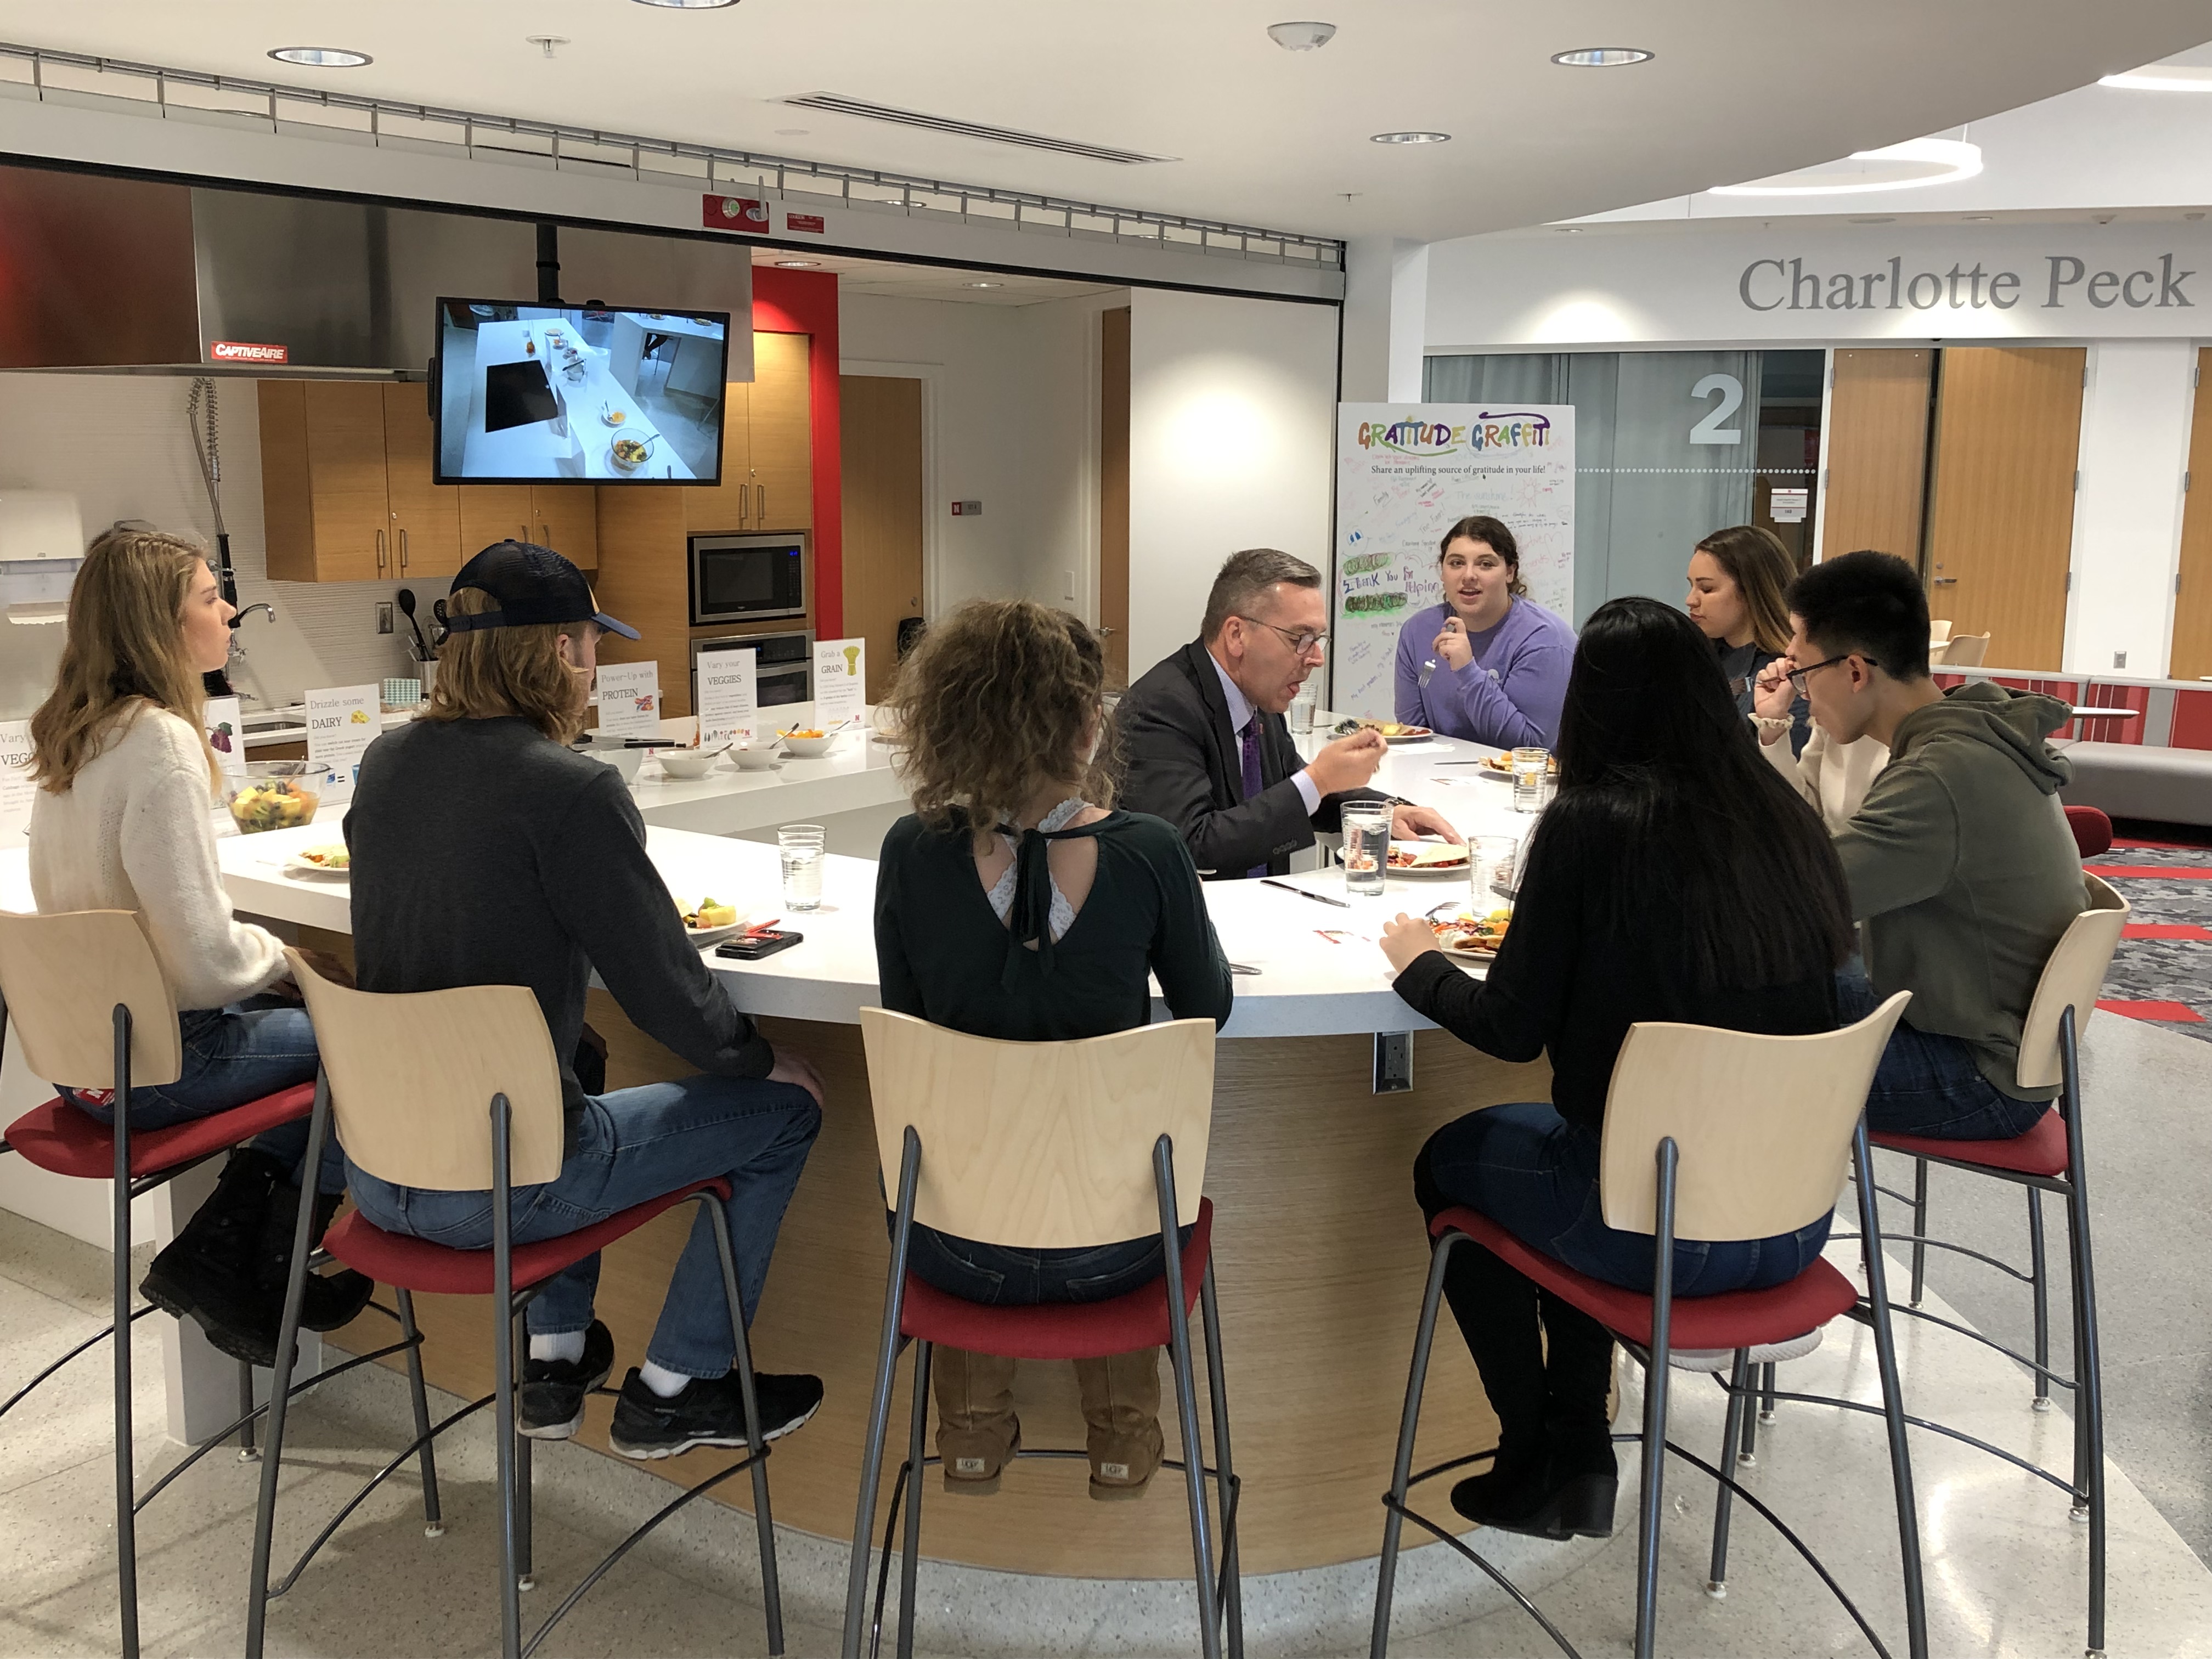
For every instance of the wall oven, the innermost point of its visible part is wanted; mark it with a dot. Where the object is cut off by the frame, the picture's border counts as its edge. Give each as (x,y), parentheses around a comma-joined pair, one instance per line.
(783,672)
(739,579)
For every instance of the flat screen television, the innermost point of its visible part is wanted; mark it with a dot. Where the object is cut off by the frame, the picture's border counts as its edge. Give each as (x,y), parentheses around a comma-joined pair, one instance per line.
(530,394)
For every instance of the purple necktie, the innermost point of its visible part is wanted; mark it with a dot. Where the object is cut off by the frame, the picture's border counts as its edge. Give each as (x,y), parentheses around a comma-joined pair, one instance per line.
(1251,746)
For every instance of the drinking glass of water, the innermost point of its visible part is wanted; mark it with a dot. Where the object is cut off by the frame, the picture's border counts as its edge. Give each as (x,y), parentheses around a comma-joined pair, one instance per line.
(1366,847)
(800,847)
(1301,716)
(1531,767)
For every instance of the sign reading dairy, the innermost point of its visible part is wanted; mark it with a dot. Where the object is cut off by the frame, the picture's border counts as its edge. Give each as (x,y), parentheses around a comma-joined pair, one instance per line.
(17,791)
(630,699)
(1407,473)
(729,696)
(226,735)
(841,678)
(343,721)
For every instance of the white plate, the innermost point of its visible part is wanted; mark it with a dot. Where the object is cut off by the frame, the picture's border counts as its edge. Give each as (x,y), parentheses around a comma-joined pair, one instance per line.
(299,864)
(1457,867)
(706,936)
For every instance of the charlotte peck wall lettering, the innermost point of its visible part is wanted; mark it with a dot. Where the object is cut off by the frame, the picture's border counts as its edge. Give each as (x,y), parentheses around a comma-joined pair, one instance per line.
(2063,281)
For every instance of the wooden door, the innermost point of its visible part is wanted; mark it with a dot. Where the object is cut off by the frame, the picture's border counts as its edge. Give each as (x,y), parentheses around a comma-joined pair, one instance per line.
(880,425)
(495,513)
(779,412)
(1877,430)
(2191,656)
(568,520)
(726,508)
(2000,513)
(348,503)
(426,517)
(1114,491)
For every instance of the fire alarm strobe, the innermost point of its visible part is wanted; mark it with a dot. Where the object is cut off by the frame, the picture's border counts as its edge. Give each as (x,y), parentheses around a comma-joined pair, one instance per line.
(744,213)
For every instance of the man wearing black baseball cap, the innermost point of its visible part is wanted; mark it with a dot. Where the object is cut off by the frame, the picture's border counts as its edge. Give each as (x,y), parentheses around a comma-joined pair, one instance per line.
(485,851)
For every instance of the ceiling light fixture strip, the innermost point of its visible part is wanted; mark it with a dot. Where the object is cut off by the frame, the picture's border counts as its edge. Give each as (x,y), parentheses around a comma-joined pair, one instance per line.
(792,175)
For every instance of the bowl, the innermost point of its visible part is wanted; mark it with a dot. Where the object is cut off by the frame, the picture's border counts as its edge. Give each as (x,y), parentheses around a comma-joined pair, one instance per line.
(755,757)
(687,764)
(625,760)
(277,794)
(810,748)
(628,453)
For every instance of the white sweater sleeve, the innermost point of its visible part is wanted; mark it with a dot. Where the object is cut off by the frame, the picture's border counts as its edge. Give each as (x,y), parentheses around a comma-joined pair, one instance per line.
(169,856)
(1802,771)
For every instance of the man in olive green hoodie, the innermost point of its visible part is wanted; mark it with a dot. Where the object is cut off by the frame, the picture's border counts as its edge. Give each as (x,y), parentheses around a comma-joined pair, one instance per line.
(1960,864)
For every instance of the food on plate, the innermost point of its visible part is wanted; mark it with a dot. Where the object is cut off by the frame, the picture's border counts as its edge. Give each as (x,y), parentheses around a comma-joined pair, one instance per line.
(630,451)
(1504,763)
(804,732)
(273,804)
(1344,728)
(327,858)
(1426,855)
(1472,935)
(710,913)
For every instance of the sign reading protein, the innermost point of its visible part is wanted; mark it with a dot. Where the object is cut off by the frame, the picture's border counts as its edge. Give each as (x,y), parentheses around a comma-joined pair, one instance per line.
(1407,473)
(630,699)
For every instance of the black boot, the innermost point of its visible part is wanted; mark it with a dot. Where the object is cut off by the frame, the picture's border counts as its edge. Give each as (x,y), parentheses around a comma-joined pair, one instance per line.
(1495,1307)
(331,1299)
(1578,1377)
(210,1272)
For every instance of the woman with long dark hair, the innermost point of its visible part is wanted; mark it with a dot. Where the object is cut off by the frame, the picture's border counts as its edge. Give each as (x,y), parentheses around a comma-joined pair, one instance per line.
(1737,577)
(1676,877)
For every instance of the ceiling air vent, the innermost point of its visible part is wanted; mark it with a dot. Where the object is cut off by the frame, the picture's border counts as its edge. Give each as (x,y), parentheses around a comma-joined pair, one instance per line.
(837,104)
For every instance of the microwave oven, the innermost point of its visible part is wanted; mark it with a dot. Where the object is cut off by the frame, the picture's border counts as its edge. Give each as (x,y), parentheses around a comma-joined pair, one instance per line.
(783,669)
(739,579)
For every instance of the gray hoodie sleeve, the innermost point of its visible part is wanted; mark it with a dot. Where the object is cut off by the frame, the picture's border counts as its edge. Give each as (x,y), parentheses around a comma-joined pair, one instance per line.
(1903,845)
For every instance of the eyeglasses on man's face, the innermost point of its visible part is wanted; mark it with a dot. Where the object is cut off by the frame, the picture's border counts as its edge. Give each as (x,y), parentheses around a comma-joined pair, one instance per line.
(1302,642)
(1797,675)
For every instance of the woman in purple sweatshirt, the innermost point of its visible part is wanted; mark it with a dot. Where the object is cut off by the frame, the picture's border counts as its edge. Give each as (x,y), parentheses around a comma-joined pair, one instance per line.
(1489,664)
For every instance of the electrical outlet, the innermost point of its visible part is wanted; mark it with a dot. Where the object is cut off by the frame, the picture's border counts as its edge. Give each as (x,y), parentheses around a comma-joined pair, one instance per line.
(383,617)
(2119,660)
(1067,584)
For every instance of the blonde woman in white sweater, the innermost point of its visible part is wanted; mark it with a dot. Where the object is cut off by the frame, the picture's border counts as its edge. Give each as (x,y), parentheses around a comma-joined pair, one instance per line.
(122,822)
(1833,776)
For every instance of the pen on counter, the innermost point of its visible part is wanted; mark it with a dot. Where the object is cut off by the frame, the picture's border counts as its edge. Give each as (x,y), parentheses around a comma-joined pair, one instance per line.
(1318,898)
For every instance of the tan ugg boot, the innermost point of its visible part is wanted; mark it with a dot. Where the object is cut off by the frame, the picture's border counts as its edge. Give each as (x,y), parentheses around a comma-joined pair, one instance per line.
(976,1429)
(1121,1406)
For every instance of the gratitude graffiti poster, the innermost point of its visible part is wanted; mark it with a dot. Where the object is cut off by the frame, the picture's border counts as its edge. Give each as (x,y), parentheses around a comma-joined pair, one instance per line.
(1405,473)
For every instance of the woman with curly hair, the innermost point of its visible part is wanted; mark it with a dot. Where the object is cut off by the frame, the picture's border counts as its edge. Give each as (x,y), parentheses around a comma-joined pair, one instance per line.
(1015,903)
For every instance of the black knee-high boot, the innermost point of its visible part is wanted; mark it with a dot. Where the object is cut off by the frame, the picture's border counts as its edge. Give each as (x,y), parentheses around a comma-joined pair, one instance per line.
(1496,1308)
(1578,1377)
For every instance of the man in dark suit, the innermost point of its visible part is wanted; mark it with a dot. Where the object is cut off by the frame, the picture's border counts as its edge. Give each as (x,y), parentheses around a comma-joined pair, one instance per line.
(1205,743)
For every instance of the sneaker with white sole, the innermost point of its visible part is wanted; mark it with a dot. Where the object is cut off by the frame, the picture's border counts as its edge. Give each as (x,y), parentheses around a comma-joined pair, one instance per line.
(707,1411)
(549,1404)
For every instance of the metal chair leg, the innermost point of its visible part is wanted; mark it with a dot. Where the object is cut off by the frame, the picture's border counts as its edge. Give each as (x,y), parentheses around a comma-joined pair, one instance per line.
(433,1522)
(246,1453)
(1194,1448)
(1746,1450)
(2088,1368)
(1892,1400)
(126,1484)
(525,1542)
(1919,1230)
(2039,1273)
(1655,1378)
(755,1448)
(1216,1390)
(502,1367)
(1733,1439)
(1766,1394)
(917,1448)
(1409,1422)
(879,1409)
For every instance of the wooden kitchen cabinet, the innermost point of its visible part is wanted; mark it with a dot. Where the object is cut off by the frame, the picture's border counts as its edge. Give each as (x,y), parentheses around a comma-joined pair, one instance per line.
(346,471)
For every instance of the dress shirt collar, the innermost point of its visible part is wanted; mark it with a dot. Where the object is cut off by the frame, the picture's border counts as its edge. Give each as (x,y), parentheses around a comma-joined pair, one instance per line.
(1240,706)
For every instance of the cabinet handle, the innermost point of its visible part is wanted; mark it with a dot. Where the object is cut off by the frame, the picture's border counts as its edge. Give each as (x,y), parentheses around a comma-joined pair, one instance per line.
(402,552)
(762,514)
(547,529)
(380,552)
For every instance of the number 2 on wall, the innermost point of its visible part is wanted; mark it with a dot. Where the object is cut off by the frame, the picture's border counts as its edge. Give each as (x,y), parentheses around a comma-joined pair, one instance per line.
(1710,429)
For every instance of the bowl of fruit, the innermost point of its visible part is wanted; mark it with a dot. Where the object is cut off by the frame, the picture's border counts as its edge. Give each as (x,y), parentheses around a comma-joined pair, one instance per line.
(277,794)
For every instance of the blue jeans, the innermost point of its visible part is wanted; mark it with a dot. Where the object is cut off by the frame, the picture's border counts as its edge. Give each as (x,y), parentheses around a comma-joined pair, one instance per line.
(1527,1168)
(233,1056)
(633,1146)
(998,1275)
(1928,1084)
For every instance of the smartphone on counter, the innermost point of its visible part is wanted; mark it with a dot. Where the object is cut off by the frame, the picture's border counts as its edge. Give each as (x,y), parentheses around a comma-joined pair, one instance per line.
(751,947)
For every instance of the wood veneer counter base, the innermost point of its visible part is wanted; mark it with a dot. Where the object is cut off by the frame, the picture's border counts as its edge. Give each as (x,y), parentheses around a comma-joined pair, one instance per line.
(1320,1256)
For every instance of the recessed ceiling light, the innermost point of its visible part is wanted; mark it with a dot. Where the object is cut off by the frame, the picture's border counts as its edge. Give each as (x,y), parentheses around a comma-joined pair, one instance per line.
(982,285)
(1570,230)
(1981,218)
(1411,138)
(1301,37)
(690,5)
(796,265)
(2161,77)
(1602,56)
(321,57)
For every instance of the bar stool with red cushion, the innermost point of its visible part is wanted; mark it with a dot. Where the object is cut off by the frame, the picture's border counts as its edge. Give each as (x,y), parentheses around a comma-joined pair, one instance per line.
(1046,1145)
(93,1011)
(2091,829)
(459,1091)
(1710,1134)
(2046,1159)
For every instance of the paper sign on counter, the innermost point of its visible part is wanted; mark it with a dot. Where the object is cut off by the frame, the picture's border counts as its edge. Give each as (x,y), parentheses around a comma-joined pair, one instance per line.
(226,729)
(629,700)
(729,699)
(841,681)
(17,791)
(343,721)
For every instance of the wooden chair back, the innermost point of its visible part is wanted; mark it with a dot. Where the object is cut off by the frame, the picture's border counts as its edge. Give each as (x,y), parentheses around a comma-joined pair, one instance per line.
(412,1076)
(1764,1124)
(1042,1146)
(1965,651)
(62,977)
(1939,634)
(2071,979)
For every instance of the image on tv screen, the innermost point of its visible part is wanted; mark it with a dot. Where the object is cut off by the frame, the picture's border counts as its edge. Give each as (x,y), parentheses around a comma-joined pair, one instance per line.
(576,394)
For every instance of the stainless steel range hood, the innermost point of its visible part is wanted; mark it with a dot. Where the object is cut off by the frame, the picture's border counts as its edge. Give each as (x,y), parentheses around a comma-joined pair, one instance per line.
(133,276)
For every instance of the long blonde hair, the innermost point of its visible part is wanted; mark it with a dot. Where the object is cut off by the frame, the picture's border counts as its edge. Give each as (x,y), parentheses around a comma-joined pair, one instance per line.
(124,651)
(487,672)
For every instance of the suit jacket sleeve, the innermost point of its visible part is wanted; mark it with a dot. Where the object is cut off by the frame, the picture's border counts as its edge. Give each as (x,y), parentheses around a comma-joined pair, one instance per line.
(1167,776)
